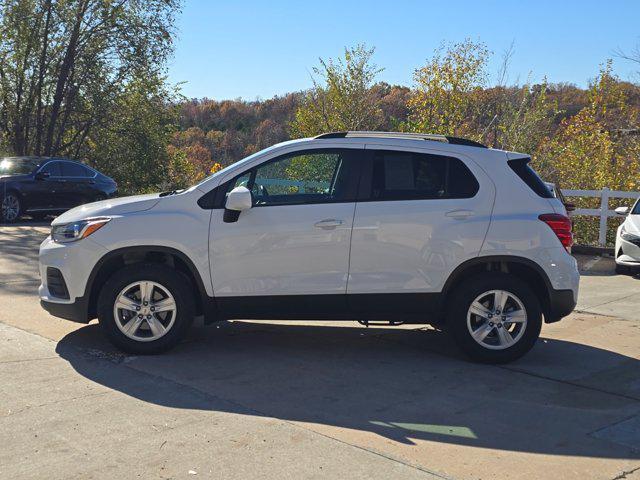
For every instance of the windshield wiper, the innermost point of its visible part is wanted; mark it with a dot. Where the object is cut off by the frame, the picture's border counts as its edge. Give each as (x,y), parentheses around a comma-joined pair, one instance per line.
(171,192)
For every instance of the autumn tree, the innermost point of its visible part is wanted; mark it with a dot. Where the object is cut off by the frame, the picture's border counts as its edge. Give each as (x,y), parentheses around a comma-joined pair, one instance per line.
(342,96)
(443,98)
(596,148)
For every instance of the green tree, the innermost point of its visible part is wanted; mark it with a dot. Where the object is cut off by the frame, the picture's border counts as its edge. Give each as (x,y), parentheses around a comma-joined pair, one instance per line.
(131,146)
(342,97)
(65,64)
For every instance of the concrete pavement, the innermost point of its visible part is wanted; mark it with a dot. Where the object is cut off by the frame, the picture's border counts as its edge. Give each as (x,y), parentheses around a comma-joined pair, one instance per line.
(325,400)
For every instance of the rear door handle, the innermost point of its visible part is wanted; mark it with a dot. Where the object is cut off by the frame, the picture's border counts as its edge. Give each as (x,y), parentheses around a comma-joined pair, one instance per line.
(460,214)
(328,224)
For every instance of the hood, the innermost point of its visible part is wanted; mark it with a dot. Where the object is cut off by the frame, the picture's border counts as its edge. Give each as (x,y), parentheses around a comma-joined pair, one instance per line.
(114,206)
(632,224)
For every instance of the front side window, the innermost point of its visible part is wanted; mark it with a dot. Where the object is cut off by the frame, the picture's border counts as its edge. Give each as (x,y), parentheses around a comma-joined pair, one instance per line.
(312,176)
(419,176)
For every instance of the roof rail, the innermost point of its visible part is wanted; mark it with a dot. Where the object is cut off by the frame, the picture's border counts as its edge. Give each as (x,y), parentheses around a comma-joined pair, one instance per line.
(411,136)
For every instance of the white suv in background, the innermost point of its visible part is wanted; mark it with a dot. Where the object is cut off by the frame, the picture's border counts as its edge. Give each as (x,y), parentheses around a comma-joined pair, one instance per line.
(365,226)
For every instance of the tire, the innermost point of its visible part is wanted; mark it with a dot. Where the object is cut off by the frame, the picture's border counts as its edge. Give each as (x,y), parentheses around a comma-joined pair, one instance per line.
(143,339)
(494,347)
(623,269)
(10,207)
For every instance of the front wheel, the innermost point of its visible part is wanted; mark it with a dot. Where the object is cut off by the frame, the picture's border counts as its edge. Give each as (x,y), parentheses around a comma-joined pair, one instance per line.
(146,308)
(494,317)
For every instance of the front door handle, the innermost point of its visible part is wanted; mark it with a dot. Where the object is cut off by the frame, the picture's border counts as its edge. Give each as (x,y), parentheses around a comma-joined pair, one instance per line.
(328,223)
(460,214)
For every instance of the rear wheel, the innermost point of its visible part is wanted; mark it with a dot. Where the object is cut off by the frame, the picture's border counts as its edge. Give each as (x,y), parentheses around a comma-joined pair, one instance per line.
(494,317)
(11,207)
(146,308)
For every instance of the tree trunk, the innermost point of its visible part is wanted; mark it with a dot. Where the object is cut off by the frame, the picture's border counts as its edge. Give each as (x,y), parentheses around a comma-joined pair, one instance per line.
(66,67)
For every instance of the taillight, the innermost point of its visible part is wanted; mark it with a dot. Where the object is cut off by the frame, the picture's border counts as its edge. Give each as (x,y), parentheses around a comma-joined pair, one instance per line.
(561,226)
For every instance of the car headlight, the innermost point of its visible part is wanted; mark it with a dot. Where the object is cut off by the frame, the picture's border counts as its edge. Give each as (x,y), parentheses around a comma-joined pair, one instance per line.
(629,237)
(70,232)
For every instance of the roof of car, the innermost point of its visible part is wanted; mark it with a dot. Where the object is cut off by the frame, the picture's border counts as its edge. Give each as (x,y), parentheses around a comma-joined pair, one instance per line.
(36,158)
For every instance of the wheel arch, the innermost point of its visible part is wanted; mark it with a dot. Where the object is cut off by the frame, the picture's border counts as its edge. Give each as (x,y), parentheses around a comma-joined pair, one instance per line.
(524,268)
(116,259)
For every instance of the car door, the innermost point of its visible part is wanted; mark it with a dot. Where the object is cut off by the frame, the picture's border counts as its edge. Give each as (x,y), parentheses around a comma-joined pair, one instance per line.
(46,189)
(78,184)
(418,216)
(289,254)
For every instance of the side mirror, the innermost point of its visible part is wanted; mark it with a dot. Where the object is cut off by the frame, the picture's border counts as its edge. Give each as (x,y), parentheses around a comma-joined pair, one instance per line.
(569,207)
(238,200)
(622,210)
(42,175)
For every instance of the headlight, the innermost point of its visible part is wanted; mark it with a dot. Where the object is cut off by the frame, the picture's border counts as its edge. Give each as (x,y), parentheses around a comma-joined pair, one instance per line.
(70,232)
(629,237)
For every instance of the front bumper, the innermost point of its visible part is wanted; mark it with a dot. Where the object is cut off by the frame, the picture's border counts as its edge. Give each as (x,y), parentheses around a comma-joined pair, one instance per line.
(627,253)
(76,311)
(74,261)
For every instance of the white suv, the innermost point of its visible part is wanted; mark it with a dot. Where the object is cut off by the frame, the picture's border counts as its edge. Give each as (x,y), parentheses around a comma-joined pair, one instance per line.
(364,226)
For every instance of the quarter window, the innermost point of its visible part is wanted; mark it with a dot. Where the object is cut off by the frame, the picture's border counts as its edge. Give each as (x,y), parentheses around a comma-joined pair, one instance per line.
(419,176)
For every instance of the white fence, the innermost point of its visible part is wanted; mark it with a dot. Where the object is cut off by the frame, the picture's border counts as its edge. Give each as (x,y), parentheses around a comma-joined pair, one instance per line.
(603,212)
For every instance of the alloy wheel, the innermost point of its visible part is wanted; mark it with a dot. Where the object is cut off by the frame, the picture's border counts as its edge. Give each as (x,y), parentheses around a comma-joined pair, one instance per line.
(10,208)
(497,319)
(144,311)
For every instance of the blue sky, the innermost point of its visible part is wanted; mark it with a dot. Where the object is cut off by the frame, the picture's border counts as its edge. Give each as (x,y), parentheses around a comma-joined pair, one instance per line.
(252,49)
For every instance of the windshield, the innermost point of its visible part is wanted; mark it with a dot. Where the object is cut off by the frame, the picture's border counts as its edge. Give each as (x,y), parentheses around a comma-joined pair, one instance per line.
(636,208)
(17,166)
(240,162)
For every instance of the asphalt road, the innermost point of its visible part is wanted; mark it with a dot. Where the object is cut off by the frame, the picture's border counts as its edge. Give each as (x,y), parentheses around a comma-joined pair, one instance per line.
(316,400)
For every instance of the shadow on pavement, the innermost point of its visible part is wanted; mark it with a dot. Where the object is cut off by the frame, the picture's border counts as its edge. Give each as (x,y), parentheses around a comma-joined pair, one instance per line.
(401,384)
(19,257)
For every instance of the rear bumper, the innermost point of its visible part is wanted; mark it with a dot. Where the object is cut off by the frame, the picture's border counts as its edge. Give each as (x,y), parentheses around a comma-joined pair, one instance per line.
(75,311)
(561,304)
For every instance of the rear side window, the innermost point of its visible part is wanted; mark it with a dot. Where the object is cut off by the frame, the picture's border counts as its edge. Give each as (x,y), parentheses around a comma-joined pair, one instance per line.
(420,176)
(70,169)
(529,176)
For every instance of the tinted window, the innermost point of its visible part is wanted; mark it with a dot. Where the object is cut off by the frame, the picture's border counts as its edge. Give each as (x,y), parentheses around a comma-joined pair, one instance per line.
(70,169)
(315,176)
(530,177)
(53,169)
(418,176)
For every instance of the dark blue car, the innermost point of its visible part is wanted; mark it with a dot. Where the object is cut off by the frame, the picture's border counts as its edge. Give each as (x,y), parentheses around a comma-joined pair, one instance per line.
(40,186)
